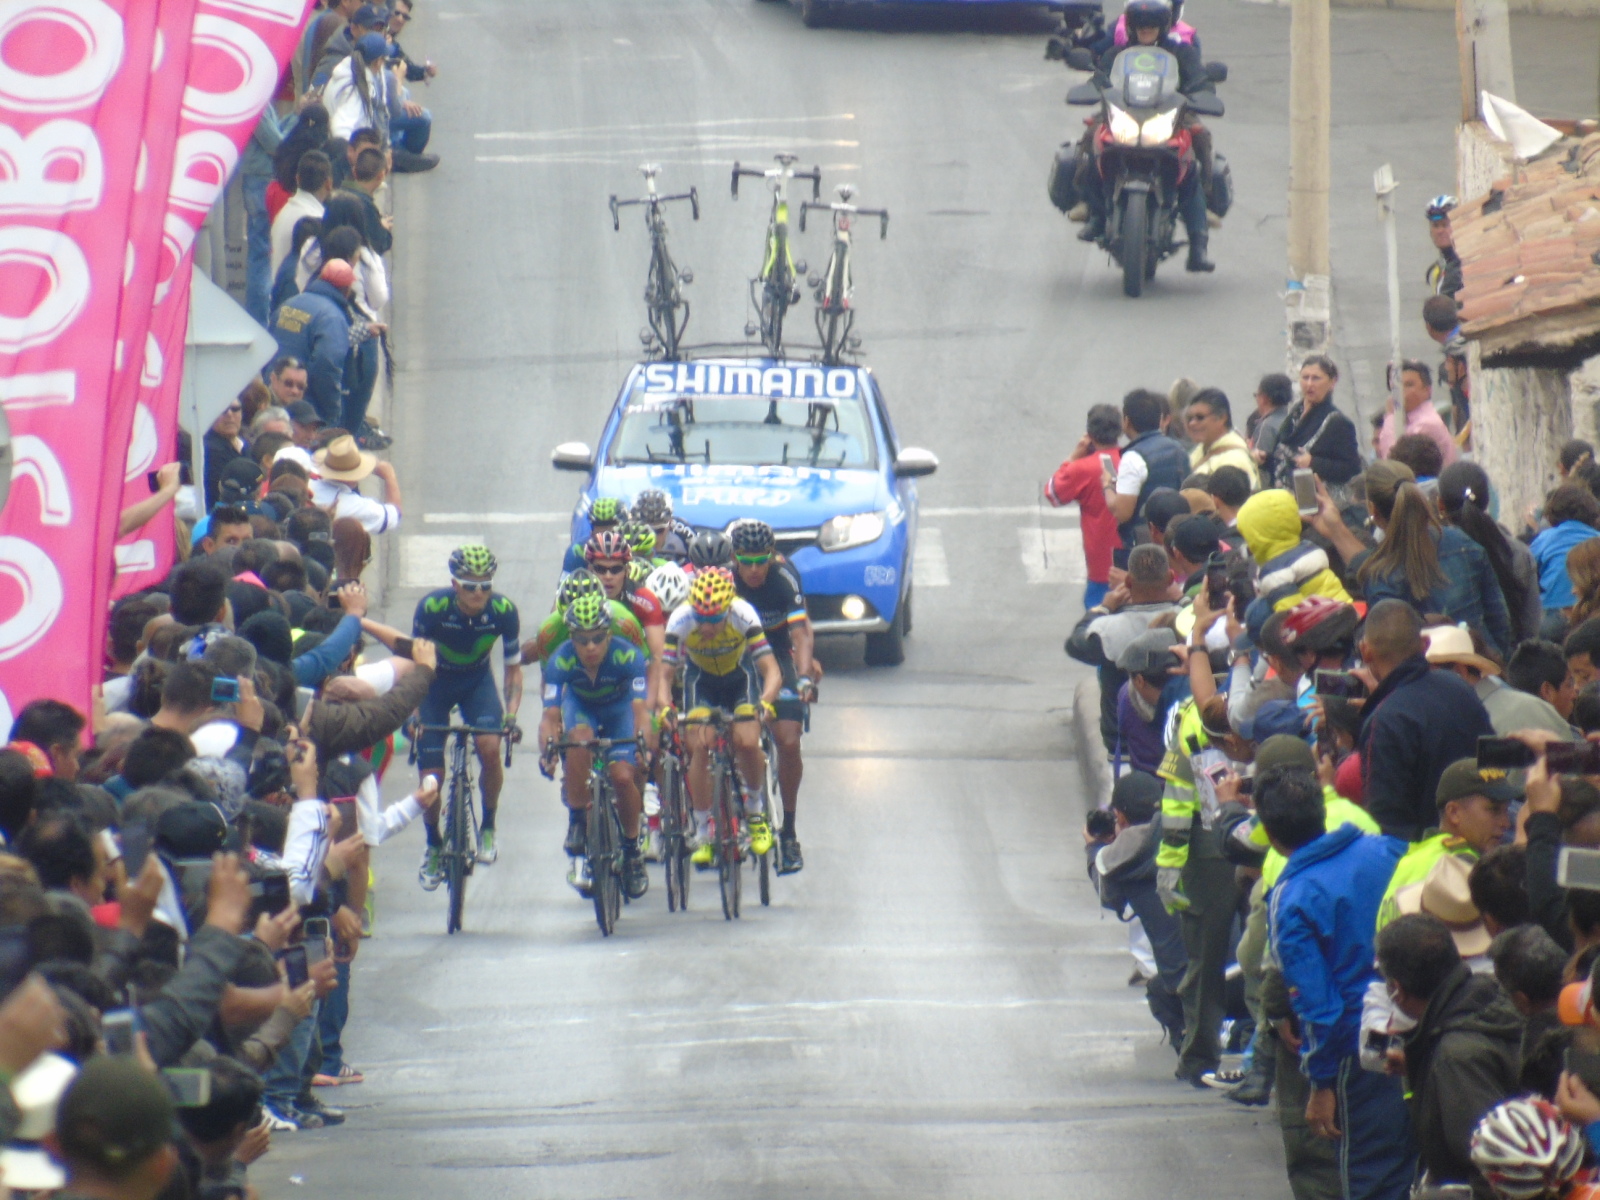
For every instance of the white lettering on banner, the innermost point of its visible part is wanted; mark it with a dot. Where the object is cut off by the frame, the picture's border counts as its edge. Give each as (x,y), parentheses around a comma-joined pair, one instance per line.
(154,368)
(841,383)
(204,161)
(177,235)
(142,446)
(733,497)
(27,184)
(284,12)
(716,379)
(742,381)
(58,257)
(32,458)
(135,556)
(32,571)
(808,375)
(695,382)
(42,389)
(255,62)
(74,85)
(777,381)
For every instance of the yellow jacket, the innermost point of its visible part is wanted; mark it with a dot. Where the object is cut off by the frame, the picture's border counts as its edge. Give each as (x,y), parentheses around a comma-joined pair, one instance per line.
(1229,450)
(1292,569)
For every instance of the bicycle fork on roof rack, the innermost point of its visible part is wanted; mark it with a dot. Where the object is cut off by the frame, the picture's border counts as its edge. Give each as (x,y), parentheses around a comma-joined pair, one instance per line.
(663,293)
(835,316)
(773,292)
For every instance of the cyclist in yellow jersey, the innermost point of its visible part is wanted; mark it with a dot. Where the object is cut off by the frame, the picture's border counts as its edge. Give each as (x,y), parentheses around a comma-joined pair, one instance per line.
(724,645)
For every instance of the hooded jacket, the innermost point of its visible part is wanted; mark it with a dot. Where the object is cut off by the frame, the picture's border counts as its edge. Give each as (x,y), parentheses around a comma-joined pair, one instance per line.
(1292,569)
(1463,1058)
(315,328)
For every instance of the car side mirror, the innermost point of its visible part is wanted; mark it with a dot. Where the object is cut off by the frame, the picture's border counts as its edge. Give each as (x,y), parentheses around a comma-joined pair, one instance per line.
(1206,104)
(1079,59)
(1217,72)
(572,456)
(913,463)
(1084,93)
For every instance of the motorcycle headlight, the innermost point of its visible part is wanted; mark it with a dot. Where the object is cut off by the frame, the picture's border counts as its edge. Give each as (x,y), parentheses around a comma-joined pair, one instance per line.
(841,533)
(1124,129)
(1158,129)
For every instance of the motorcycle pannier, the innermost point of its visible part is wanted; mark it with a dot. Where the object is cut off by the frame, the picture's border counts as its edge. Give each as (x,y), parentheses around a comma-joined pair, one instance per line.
(1063,173)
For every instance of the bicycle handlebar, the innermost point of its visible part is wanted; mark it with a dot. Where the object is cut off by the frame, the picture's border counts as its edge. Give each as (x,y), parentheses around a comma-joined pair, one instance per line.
(814,175)
(880,213)
(504,732)
(692,196)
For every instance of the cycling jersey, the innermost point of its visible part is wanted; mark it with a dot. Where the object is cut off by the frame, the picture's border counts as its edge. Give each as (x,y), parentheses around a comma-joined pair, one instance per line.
(645,605)
(717,647)
(464,642)
(553,631)
(603,703)
(779,602)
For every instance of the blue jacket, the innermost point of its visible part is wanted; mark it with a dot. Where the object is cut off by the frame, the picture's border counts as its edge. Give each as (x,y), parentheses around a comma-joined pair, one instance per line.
(1550,554)
(312,667)
(1470,592)
(1324,919)
(315,327)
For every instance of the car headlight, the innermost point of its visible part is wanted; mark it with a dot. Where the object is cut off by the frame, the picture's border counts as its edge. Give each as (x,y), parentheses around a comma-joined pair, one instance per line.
(1158,129)
(1124,129)
(841,533)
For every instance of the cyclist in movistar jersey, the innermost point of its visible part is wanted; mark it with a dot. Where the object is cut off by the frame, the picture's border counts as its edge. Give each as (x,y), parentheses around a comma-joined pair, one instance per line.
(653,507)
(771,585)
(553,629)
(610,557)
(606,512)
(721,637)
(465,620)
(595,685)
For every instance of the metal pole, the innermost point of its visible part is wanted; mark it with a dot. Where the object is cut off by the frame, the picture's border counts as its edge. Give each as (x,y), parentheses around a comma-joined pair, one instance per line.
(1307,301)
(1383,183)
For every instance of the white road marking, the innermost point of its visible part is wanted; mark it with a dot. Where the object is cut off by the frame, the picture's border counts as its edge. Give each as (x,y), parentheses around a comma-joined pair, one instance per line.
(929,567)
(1053,555)
(583,131)
(425,556)
(501,518)
(1069,515)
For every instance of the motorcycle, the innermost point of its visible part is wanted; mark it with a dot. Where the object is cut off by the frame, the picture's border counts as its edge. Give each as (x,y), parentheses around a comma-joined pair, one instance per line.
(1143,156)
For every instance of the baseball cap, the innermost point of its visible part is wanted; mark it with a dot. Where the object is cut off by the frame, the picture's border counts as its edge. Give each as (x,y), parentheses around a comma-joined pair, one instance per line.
(370,16)
(193,829)
(303,412)
(114,1116)
(1196,539)
(1279,718)
(372,46)
(338,272)
(1284,750)
(1464,778)
(1149,654)
(1162,505)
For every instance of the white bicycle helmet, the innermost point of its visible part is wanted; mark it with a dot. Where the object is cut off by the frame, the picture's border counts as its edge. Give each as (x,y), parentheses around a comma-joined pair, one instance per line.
(1526,1149)
(670,585)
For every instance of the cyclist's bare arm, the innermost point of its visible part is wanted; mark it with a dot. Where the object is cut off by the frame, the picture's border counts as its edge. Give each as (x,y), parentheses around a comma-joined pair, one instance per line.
(771,678)
(513,689)
(803,641)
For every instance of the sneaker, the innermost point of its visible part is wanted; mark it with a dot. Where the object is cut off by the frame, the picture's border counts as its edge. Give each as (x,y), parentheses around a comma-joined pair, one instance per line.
(760,834)
(652,800)
(578,877)
(789,858)
(431,874)
(1248,1093)
(577,843)
(704,853)
(649,847)
(1222,1078)
(310,1108)
(486,851)
(635,881)
(277,1123)
(345,1074)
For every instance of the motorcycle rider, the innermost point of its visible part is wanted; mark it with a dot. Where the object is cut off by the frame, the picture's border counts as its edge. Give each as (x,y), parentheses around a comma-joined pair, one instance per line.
(1149,23)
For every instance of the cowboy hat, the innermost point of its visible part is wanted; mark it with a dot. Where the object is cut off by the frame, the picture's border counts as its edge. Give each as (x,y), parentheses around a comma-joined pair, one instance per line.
(342,460)
(1453,644)
(1444,894)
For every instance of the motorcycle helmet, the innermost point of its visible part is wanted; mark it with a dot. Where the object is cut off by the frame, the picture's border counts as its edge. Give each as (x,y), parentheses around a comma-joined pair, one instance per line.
(750,536)
(652,507)
(1320,624)
(1142,14)
(669,585)
(712,593)
(710,549)
(1526,1148)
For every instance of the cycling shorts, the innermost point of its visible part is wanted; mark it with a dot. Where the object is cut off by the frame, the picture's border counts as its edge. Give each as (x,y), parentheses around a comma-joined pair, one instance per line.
(789,705)
(705,689)
(614,720)
(479,700)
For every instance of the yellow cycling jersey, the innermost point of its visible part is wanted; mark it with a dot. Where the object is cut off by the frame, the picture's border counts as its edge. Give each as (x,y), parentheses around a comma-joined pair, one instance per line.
(717,647)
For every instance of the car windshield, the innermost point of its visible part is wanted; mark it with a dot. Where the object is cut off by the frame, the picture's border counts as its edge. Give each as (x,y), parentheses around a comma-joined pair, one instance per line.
(748,431)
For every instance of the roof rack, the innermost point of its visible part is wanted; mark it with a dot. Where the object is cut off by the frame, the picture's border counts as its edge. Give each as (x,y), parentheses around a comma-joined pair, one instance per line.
(754,350)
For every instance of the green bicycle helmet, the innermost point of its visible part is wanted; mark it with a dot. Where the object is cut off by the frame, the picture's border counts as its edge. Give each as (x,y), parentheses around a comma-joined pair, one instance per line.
(578,583)
(607,510)
(473,561)
(639,570)
(588,612)
(641,538)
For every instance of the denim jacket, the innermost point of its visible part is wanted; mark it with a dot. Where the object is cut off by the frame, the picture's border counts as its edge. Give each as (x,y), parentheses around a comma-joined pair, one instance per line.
(1470,592)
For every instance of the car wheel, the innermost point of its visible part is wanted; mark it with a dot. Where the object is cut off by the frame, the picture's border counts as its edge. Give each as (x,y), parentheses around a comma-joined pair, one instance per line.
(905,607)
(888,649)
(815,12)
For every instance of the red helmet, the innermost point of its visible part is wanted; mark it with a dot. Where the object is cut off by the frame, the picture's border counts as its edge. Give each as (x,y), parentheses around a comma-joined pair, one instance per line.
(608,544)
(1319,623)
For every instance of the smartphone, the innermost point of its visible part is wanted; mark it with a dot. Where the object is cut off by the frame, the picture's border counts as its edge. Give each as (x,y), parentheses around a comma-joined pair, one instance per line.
(1217,582)
(109,843)
(135,847)
(224,690)
(1305,492)
(1247,785)
(1573,758)
(1578,868)
(296,968)
(190,1087)
(1505,754)
(150,478)
(270,894)
(402,647)
(1105,465)
(1343,684)
(1217,774)
(118,1027)
(1377,1041)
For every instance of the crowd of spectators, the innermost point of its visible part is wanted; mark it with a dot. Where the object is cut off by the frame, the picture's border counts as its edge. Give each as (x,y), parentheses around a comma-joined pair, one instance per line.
(1349,716)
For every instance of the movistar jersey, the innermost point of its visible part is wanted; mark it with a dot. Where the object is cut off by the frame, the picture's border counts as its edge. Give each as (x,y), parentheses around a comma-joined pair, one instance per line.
(465,642)
(621,675)
(553,631)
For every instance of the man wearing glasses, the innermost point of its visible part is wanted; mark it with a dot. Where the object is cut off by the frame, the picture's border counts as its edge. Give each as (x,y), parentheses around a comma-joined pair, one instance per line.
(608,555)
(465,620)
(770,584)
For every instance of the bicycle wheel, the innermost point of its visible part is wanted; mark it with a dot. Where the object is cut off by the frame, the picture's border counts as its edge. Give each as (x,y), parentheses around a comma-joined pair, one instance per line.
(455,837)
(833,321)
(607,888)
(764,863)
(662,300)
(673,859)
(729,859)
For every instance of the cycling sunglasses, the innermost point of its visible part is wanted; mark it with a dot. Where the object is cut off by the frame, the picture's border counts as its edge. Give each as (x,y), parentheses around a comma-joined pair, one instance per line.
(486,586)
(609,568)
(754,560)
(709,618)
(590,639)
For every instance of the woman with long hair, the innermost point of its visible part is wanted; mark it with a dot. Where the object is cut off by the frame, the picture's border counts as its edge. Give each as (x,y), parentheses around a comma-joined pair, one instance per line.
(1583,568)
(352,550)
(1464,502)
(309,132)
(356,93)
(1435,569)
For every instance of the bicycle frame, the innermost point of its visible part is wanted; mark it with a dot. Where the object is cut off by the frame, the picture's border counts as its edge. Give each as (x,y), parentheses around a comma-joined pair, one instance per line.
(835,317)
(459,854)
(772,291)
(604,842)
(728,807)
(663,296)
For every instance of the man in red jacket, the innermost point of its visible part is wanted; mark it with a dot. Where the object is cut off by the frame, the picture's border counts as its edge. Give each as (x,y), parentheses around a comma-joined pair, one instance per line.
(1078,480)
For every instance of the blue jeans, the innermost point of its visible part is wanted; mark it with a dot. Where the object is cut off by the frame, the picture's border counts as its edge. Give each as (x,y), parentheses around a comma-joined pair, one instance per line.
(282,1082)
(360,377)
(258,243)
(1376,1158)
(333,1013)
(411,133)
(1094,593)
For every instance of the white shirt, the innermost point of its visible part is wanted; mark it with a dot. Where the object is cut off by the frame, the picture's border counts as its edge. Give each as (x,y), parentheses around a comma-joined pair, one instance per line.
(301,204)
(342,500)
(1132,471)
(347,112)
(379,824)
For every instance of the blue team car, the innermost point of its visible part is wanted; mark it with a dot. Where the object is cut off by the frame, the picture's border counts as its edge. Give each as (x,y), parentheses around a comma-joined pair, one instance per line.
(809,449)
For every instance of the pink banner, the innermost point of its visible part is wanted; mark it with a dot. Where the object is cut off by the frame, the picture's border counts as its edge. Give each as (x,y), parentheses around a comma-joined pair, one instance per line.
(237,45)
(74,75)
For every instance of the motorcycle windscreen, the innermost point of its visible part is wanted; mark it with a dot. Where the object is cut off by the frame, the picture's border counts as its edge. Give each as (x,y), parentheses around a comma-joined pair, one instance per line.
(1144,76)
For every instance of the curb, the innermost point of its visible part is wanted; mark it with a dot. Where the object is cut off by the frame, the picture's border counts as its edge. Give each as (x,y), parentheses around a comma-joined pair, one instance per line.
(1092,761)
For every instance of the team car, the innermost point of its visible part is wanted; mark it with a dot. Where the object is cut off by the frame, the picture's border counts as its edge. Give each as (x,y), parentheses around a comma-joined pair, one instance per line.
(809,449)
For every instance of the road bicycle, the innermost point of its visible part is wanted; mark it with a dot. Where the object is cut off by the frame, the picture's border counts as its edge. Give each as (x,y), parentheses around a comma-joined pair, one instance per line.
(730,844)
(677,821)
(774,291)
(459,854)
(603,836)
(835,316)
(663,290)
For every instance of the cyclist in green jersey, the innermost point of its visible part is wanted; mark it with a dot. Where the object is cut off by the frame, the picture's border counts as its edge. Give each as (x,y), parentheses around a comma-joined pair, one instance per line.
(553,629)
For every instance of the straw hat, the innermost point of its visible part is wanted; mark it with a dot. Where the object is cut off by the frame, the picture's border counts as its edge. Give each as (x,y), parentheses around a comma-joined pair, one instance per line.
(1453,644)
(342,460)
(1444,894)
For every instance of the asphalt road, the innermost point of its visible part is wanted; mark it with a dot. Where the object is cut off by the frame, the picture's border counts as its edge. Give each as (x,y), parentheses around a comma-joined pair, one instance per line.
(935,1006)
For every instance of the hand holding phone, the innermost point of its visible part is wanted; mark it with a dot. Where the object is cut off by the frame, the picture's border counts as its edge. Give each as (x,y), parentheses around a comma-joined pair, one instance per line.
(224,690)
(1305,492)
(296,967)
